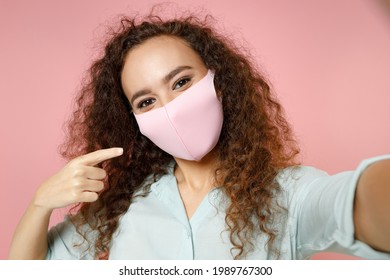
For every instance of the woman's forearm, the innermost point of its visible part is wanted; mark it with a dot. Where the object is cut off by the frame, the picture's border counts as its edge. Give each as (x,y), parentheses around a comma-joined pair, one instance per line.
(372,206)
(30,238)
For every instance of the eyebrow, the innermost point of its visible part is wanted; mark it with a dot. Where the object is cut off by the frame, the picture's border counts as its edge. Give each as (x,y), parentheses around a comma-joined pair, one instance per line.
(166,79)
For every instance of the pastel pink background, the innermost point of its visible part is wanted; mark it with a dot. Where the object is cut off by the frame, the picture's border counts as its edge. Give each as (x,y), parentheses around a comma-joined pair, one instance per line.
(329,62)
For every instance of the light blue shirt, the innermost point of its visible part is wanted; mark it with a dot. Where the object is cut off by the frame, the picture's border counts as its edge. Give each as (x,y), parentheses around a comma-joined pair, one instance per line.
(319,218)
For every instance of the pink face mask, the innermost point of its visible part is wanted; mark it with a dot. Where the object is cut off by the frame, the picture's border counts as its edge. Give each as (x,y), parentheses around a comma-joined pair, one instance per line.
(189,126)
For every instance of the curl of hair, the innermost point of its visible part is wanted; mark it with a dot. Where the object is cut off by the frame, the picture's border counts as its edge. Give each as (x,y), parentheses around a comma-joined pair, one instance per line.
(256,141)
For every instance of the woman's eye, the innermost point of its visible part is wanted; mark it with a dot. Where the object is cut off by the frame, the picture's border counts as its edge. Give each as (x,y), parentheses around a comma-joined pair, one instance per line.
(145,103)
(181,83)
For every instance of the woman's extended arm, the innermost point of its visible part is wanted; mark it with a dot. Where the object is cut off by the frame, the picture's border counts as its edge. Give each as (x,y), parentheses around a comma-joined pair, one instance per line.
(78,181)
(372,206)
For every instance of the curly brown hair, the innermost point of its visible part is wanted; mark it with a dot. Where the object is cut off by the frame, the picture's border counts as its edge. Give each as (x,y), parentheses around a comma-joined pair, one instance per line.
(256,141)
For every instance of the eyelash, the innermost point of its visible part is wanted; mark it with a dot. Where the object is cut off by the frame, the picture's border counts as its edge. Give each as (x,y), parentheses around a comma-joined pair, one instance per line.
(186,79)
(142,104)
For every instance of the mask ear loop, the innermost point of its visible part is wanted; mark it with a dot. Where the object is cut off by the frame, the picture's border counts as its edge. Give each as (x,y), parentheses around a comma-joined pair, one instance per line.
(218,93)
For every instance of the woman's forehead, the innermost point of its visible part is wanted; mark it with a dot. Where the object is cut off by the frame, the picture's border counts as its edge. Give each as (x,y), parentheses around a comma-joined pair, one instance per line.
(156,57)
(161,49)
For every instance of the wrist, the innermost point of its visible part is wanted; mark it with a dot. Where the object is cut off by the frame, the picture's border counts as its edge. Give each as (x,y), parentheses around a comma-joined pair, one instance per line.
(38,207)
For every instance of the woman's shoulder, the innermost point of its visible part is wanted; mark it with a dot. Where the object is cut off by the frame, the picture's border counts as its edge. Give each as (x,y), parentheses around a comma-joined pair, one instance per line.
(298,175)
(65,241)
(296,182)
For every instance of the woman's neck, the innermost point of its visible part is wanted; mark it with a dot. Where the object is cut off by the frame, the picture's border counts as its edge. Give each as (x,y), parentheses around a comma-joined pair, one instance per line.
(195,180)
(196,176)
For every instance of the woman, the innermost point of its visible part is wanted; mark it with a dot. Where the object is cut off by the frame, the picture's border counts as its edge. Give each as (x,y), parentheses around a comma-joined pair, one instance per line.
(206,166)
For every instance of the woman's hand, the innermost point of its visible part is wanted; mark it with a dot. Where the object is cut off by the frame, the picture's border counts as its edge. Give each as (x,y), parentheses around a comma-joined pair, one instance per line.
(78,181)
